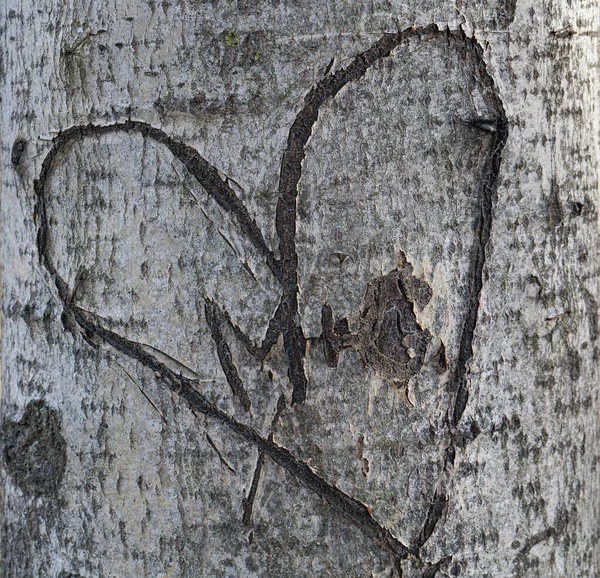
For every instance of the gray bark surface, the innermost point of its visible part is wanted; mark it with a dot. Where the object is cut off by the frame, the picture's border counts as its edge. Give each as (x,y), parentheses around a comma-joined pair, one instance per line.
(294,290)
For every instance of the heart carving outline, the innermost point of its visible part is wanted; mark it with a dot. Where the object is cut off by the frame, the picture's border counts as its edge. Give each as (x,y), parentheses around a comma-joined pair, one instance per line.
(284,267)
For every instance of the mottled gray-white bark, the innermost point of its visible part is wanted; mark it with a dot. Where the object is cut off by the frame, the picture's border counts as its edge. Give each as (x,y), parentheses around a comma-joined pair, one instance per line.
(300,290)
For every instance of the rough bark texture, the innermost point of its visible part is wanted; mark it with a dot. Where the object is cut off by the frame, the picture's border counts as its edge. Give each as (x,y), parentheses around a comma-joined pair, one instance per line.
(300,291)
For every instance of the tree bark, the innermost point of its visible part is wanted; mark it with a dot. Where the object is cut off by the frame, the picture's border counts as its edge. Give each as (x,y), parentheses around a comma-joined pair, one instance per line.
(294,290)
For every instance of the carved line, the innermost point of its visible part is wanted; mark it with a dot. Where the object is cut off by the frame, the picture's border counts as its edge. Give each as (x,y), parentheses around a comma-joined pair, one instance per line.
(499,127)
(431,570)
(214,319)
(274,329)
(483,231)
(291,172)
(223,461)
(248,501)
(436,509)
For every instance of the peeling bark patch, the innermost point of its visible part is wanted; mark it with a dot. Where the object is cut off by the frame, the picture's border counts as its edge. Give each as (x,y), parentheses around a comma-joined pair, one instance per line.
(390,338)
(34,450)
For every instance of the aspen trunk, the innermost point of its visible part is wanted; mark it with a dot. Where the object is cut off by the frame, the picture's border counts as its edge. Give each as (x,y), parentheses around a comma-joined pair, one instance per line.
(294,290)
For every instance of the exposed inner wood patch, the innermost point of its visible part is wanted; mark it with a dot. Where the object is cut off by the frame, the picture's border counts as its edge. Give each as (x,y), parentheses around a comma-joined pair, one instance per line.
(389,337)
(391,340)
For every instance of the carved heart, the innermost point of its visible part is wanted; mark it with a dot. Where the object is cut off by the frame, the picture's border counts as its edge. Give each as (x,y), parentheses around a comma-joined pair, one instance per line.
(384,331)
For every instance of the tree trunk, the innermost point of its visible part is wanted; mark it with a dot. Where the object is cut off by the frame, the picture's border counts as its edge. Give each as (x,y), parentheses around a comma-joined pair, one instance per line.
(294,290)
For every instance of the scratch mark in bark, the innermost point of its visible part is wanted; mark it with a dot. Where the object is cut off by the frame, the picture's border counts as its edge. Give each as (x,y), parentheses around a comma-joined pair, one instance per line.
(17,151)
(483,227)
(179,367)
(432,569)
(278,411)
(558,316)
(214,319)
(559,527)
(591,306)
(228,242)
(274,329)
(221,458)
(248,501)
(204,172)
(331,342)
(290,174)
(141,390)
(249,270)
(551,532)
(436,509)
(537,539)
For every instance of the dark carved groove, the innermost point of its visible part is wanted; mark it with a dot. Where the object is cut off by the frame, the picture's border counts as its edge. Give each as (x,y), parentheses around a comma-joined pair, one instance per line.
(274,329)
(223,461)
(483,231)
(248,501)
(291,171)
(207,175)
(436,509)
(431,570)
(214,319)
